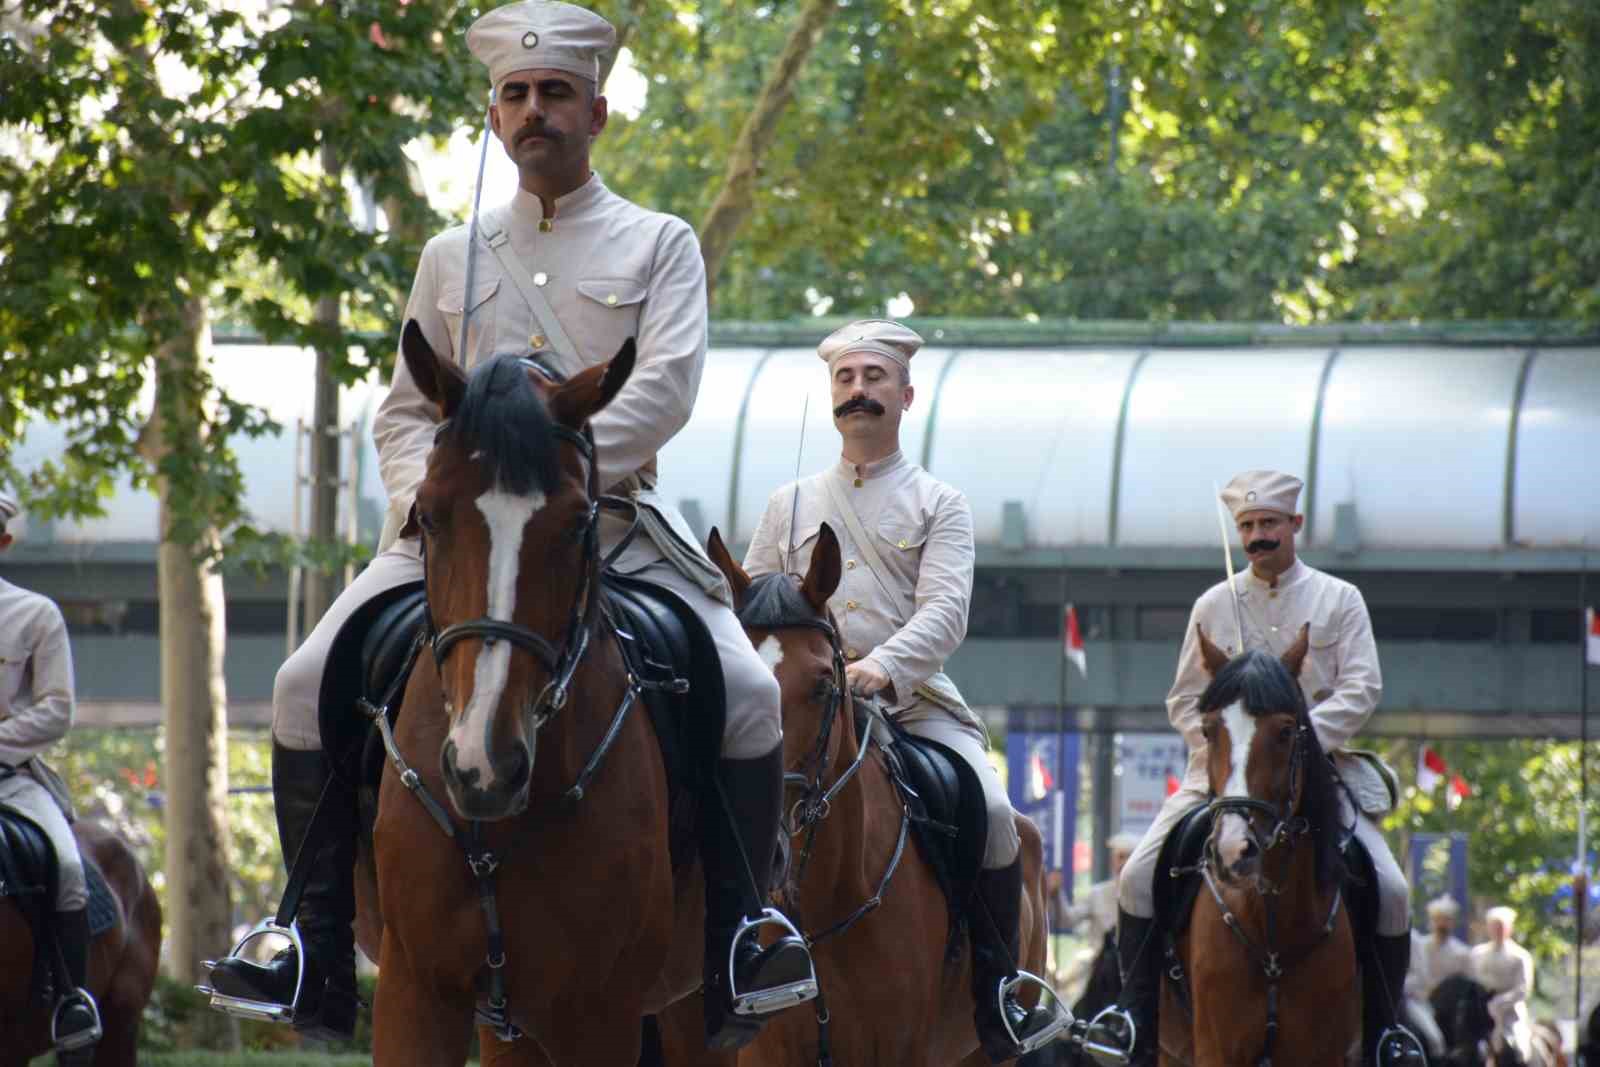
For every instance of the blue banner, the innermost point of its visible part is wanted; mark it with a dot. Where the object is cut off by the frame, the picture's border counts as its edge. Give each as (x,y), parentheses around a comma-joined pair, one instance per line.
(1043,782)
(1438,868)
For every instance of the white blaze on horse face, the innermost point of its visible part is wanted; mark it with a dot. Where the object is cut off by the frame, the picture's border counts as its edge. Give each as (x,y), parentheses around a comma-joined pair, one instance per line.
(1234,834)
(771,653)
(507,515)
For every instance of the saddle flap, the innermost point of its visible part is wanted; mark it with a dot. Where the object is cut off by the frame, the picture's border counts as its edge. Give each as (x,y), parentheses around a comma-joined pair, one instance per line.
(948,793)
(1183,850)
(28,871)
(366,656)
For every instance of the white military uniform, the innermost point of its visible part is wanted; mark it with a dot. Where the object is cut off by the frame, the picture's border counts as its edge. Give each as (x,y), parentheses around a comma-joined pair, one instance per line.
(1442,959)
(1341,683)
(609,270)
(1417,1013)
(1506,970)
(912,620)
(36,707)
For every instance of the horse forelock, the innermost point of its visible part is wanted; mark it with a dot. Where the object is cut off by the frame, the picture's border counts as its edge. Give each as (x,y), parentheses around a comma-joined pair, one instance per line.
(775,602)
(502,423)
(1260,684)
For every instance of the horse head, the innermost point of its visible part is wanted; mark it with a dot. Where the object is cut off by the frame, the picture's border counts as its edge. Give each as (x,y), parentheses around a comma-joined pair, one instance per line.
(506,512)
(1269,779)
(787,619)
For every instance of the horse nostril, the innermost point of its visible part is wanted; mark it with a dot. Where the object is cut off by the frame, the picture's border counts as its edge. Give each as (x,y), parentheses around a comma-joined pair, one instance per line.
(514,771)
(1249,850)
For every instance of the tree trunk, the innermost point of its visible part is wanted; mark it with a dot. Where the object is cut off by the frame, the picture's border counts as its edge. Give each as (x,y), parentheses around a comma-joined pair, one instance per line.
(322,583)
(737,196)
(193,693)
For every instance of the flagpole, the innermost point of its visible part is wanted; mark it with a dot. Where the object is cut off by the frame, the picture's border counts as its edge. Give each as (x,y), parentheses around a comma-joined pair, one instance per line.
(1580,903)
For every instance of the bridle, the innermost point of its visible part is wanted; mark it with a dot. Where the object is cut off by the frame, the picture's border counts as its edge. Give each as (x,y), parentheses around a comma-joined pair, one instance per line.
(1287,828)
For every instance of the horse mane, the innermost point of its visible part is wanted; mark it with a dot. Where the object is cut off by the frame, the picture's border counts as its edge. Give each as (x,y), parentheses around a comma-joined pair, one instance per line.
(1261,683)
(503,421)
(773,602)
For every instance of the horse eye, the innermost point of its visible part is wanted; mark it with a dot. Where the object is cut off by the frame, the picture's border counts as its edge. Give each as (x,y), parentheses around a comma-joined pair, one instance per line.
(1286,735)
(425,521)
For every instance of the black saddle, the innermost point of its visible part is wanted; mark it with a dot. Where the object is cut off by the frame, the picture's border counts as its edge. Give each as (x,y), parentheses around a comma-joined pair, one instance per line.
(667,647)
(948,813)
(29,877)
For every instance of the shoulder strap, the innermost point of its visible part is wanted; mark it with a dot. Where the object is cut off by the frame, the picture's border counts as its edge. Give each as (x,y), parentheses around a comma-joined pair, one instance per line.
(492,229)
(864,543)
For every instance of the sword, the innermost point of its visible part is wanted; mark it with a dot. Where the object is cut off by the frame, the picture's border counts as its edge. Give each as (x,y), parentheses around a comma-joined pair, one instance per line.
(794,506)
(472,242)
(1227,563)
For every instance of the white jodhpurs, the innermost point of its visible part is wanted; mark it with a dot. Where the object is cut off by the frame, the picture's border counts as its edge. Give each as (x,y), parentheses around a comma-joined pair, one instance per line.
(33,800)
(973,746)
(1136,888)
(754,720)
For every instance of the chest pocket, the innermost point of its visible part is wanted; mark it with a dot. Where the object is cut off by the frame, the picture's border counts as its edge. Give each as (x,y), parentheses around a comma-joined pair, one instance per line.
(1321,668)
(607,313)
(13,661)
(482,336)
(900,540)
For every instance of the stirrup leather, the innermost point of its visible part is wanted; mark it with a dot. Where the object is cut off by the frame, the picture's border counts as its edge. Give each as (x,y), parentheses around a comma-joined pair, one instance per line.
(261,1010)
(83,1038)
(1060,1017)
(766,1001)
(1111,1024)
(1399,1047)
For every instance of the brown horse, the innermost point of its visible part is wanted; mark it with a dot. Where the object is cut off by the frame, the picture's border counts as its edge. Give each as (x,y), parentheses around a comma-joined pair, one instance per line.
(122,963)
(520,691)
(892,989)
(1269,955)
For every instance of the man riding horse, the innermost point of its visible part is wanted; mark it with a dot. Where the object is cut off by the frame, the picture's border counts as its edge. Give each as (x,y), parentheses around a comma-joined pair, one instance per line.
(1505,969)
(569,270)
(1271,603)
(1443,953)
(36,706)
(901,609)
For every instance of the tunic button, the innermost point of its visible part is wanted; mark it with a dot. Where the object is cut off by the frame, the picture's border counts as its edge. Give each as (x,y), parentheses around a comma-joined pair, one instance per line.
(611,298)
(1274,593)
(545,225)
(852,653)
(850,605)
(858,483)
(849,564)
(540,278)
(537,340)
(902,542)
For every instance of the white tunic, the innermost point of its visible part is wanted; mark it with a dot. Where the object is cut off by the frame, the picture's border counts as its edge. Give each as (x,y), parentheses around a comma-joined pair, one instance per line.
(610,270)
(915,618)
(1340,676)
(1442,959)
(1506,970)
(36,692)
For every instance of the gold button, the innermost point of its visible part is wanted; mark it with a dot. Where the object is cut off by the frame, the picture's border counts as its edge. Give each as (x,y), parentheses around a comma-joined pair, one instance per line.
(902,542)
(850,605)
(849,564)
(611,298)
(1274,593)
(545,225)
(540,278)
(858,483)
(852,653)
(537,340)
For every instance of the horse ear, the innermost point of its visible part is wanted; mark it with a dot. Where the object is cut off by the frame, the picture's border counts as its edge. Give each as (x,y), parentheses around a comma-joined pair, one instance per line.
(1215,659)
(1295,657)
(575,402)
(440,380)
(822,577)
(412,527)
(737,578)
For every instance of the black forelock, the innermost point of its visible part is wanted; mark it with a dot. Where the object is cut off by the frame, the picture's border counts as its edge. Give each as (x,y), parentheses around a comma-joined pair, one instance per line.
(775,602)
(503,422)
(1259,681)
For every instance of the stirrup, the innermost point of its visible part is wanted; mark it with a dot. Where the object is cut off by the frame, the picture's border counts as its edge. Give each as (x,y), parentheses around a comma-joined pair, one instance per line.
(83,1038)
(1120,1020)
(767,1001)
(267,1011)
(1060,1019)
(1399,1047)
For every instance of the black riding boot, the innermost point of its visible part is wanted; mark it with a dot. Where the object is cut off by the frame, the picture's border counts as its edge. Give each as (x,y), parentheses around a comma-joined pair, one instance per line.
(328,1001)
(76,1022)
(995,947)
(1139,959)
(752,791)
(1385,1040)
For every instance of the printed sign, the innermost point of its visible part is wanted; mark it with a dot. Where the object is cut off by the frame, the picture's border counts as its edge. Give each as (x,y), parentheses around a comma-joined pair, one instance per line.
(1151,767)
(1042,781)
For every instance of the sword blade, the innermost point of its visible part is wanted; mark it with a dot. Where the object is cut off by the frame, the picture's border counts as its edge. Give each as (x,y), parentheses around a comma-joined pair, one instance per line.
(1227,563)
(794,505)
(472,245)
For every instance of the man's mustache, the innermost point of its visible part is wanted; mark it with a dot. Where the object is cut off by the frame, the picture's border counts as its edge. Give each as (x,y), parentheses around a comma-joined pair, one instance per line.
(858,403)
(1262,545)
(539,130)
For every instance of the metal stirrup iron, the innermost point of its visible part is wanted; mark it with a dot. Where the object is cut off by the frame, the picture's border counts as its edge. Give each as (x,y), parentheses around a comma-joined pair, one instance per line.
(1061,1017)
(261,1010)
(83,1038)
(767,1001)
(1120,1020)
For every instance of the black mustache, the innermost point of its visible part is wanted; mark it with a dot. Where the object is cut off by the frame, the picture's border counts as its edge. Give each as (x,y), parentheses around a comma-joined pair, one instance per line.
(539,131)
(1262,545)
(858,403)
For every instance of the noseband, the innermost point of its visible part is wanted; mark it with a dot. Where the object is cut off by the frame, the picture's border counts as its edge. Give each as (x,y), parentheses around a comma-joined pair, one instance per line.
(1286,825)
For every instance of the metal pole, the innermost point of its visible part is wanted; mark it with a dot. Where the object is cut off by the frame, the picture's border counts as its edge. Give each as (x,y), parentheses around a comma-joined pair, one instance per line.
(292,634)
(1581,900)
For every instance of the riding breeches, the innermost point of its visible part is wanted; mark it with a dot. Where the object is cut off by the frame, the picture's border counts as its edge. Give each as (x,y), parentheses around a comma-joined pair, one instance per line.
(973,746)
(32,799)
(1136,888)
(754,718)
